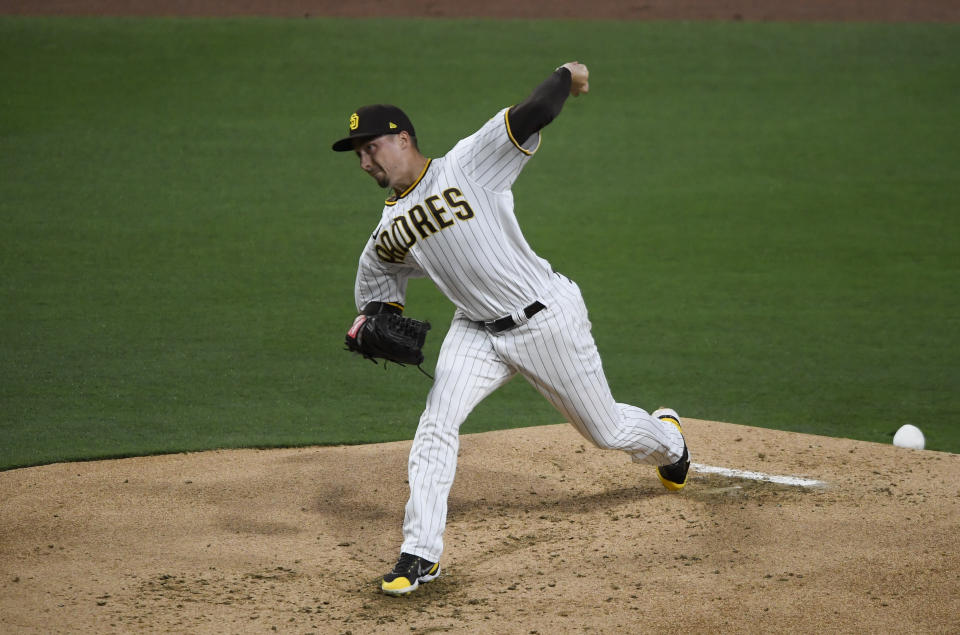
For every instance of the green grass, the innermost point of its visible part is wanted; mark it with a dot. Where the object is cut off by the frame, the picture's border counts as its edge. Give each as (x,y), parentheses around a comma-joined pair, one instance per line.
(763,218)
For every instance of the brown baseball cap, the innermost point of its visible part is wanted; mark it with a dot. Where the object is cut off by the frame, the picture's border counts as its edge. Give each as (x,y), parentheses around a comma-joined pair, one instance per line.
(373,121)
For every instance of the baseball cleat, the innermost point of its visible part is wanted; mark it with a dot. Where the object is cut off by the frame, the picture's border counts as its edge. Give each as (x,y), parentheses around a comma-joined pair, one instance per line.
(673,476)
(407,575)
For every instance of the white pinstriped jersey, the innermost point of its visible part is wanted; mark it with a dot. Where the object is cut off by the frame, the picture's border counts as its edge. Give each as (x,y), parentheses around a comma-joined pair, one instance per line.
(456,225)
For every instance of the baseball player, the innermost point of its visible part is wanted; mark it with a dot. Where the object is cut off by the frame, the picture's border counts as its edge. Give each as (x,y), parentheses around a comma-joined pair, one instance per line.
(452,220)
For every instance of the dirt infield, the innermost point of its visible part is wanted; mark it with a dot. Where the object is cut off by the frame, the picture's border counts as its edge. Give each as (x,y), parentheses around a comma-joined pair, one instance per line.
(547,534)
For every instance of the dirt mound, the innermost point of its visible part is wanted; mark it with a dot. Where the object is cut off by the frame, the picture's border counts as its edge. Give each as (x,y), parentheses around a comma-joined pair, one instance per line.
(546,533)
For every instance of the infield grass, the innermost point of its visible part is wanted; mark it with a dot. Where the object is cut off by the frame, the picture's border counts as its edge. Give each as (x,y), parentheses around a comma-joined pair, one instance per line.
(763,218)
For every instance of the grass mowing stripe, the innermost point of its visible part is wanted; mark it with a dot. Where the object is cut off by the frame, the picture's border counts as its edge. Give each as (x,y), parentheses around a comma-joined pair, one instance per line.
(761,217)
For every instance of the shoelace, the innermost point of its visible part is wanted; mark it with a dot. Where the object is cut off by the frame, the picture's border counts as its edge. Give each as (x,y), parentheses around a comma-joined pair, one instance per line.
(407,564)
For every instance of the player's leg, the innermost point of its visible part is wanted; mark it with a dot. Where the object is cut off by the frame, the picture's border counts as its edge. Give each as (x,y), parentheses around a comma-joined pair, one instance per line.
(558,356)
(468,369)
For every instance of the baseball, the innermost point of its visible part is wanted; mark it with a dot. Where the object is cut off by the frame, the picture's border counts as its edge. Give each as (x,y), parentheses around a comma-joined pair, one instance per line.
(909,436)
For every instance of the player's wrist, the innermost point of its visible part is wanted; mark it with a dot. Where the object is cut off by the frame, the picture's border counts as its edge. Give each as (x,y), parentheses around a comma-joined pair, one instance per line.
(375,307)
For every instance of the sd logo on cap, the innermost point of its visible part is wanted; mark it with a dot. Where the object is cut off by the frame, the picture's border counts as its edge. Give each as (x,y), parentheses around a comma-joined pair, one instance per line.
(373,121)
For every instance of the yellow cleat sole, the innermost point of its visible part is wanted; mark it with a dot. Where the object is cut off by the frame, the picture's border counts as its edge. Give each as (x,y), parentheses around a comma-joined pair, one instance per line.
(670,485)
(403,586)
(400,586)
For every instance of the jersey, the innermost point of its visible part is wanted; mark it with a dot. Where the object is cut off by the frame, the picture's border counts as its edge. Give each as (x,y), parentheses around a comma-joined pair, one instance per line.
(456,225)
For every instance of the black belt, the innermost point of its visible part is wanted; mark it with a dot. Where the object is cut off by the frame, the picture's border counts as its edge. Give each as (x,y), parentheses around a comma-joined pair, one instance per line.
(507,322)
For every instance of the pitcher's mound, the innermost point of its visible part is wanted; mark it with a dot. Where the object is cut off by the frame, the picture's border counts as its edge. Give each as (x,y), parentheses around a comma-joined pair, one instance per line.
(545,534)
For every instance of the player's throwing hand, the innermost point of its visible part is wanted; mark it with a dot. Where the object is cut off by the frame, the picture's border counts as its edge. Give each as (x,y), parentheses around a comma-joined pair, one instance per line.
(579,78)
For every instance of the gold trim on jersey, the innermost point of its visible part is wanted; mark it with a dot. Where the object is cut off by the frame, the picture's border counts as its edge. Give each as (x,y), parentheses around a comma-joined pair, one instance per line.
(393,199)
(506,120)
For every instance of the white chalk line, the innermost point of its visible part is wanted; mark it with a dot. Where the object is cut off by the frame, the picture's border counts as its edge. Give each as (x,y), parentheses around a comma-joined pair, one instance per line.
(758,476)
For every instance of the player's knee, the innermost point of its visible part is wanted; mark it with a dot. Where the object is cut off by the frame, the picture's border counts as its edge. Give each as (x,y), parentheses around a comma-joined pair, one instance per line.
(606,445)
(604,442)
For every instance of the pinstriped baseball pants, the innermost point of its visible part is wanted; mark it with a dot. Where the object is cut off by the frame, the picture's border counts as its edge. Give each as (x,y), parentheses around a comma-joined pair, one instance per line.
(556,353)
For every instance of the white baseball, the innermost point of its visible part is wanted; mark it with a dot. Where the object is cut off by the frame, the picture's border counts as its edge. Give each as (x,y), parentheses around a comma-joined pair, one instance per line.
(909,436)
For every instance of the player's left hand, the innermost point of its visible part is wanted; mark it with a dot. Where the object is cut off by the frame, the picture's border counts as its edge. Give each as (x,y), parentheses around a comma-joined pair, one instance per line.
(579,78)
(388,336)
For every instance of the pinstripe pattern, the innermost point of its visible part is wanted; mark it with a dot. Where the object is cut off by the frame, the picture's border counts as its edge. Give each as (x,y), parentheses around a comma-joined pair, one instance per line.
(481,261)
(484,264)
(556,353)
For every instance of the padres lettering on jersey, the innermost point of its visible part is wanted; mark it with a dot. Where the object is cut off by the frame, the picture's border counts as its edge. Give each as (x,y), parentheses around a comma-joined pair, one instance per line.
(456,226)
(421,220)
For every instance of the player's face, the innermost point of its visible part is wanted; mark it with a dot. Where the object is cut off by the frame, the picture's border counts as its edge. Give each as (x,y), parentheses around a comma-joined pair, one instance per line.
(380,158)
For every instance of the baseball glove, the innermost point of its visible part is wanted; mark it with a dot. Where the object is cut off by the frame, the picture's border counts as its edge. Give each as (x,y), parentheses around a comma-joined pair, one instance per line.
(388,336)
